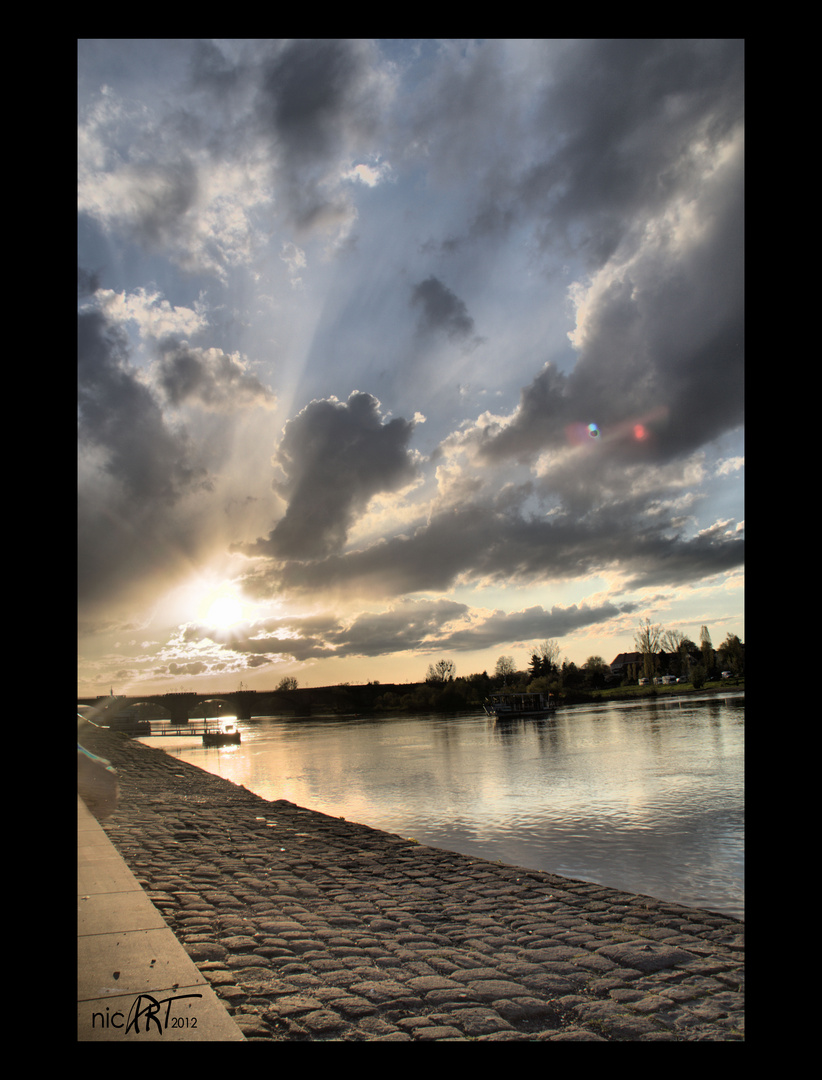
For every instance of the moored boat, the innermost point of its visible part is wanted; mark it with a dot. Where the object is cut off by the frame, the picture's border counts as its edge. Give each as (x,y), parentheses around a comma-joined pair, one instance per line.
(223,736)
(508,705)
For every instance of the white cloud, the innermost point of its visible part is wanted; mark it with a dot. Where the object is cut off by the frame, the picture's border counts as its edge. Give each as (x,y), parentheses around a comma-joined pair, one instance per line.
(730,465)
(294,258)
(153,315)
(370,175)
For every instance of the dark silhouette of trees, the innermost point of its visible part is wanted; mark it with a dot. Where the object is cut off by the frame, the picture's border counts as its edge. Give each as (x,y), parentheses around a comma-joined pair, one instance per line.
(731,655)
(545,660)
(441,672)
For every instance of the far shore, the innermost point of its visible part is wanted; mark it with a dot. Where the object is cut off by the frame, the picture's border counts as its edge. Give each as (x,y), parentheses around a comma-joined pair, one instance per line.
(619,693)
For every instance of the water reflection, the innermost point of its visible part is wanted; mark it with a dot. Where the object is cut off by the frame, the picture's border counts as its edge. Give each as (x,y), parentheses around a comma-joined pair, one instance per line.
(644,796)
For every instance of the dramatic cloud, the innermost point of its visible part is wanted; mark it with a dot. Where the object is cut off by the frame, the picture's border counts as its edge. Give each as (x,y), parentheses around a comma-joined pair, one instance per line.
(320,103)
(422,626)
(120,418)
(293,251)
(335,457)
(478,546)
(441,310)
(210,377)
(660,338)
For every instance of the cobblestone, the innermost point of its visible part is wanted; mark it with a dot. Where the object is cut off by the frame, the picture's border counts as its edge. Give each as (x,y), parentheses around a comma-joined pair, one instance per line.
(311,928)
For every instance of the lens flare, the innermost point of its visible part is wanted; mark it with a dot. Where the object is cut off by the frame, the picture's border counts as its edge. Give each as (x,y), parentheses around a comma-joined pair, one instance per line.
(640,428)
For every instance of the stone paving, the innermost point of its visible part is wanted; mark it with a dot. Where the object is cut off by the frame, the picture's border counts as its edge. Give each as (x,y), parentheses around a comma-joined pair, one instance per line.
(312,928)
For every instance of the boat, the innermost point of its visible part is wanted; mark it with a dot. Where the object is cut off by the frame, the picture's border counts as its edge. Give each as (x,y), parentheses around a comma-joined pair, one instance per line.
(508,705)
(223,736)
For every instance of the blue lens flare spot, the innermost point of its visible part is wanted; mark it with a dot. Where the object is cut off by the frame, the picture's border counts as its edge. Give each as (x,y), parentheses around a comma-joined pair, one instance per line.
(593,431)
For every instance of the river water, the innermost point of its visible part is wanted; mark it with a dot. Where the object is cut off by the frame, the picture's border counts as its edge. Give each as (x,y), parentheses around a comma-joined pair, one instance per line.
(642,796)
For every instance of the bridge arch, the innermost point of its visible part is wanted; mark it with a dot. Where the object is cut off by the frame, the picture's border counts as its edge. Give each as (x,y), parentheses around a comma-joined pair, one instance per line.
(210,707)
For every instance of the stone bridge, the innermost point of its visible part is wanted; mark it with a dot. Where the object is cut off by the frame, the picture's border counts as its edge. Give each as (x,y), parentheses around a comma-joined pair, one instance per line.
(182,707)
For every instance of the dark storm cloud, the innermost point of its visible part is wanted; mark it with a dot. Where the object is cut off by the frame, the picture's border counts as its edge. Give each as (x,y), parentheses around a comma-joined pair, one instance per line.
(533,624)
(661,561)
(135,472)
(160,195)
(87,282)
(307,93)
(409,625)
(335,457)
(498,545)
(441,310)
(578,141)
(210,69)
(424,626)
(544,411)
(662,343)
(317,102)
(210,377)
(293,114)
(120,417)
(626,118)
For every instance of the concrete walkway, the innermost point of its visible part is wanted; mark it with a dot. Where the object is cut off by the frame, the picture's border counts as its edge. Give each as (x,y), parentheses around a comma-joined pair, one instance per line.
(135,981)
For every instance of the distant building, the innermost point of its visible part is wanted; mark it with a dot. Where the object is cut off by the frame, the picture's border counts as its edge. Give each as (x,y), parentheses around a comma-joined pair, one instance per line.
(620,663)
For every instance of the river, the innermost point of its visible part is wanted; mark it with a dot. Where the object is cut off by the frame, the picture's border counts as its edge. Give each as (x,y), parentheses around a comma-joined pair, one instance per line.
(645,796)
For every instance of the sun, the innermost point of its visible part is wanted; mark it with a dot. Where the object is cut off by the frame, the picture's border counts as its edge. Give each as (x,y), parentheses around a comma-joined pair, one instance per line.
(224,612)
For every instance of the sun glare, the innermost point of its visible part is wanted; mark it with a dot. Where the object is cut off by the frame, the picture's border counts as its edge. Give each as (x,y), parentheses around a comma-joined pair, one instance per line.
(225,611)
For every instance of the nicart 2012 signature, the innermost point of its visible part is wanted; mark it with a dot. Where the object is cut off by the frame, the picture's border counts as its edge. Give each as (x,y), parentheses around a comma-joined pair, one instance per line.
(147,1009)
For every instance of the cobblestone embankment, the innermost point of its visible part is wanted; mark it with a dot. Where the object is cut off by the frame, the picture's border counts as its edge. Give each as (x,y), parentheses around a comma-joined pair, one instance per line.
(313,928)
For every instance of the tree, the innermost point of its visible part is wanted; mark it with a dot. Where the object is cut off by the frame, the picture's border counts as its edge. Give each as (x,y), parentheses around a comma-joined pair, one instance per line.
(545,659)
(596,671)
(571,675)
(707,650)
(647,640)
(705,642)
(441,672)
(732,654)
(675,644)
(549,651)
(505,667)
(288,682)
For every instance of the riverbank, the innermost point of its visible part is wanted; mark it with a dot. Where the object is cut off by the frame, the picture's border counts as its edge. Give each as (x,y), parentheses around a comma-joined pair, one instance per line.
(311,928)
(460,696)
(629,693)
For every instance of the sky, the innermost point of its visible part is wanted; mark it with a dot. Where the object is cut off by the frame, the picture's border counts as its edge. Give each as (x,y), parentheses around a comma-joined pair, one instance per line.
(398,350)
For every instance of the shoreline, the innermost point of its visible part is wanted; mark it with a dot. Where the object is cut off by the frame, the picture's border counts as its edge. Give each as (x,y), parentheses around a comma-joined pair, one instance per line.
(312,928)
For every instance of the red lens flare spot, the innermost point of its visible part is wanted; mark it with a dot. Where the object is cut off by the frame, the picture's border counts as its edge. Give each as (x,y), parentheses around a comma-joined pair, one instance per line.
(640,432)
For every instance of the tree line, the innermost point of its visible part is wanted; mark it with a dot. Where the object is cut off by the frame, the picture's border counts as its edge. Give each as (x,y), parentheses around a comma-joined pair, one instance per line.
(670,652)
(659,652)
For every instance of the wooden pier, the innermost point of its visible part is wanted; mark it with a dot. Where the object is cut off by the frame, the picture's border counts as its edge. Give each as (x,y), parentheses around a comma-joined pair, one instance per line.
(194,727)
(213,732)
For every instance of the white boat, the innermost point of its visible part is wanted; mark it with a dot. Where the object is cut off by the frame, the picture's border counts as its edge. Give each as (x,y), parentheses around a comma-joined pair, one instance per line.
(508,705)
